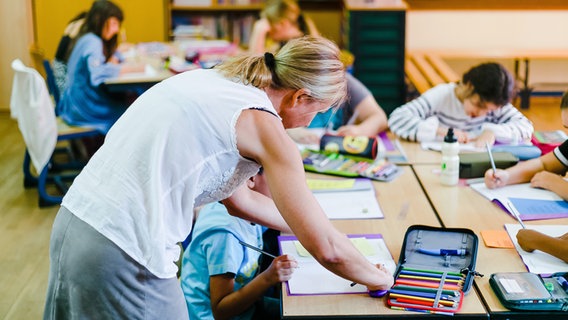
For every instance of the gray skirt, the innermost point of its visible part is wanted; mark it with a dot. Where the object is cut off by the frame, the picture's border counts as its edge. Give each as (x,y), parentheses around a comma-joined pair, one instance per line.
(92,278)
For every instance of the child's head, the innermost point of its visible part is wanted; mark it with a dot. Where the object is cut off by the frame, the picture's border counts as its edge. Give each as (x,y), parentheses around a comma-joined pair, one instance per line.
(104,19)
(564,109)
(283,18)
(486,87)
(258,183)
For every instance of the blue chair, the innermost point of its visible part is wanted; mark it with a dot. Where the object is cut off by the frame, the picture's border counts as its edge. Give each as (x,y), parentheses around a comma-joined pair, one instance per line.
(33,108)
(51,84)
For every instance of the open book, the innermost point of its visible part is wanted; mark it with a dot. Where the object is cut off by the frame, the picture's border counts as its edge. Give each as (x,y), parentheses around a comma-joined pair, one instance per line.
(530,203)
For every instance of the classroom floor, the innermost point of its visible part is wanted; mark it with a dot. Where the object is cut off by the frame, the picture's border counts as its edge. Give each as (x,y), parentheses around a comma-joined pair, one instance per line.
(25,228)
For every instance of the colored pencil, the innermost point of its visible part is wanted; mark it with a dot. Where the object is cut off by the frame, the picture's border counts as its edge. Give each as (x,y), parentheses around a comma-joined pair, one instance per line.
(433,271)
(423,289)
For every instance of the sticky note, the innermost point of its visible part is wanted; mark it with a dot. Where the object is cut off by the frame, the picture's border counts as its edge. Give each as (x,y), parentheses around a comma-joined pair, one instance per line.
(362,244)
(330,184)
(496,239)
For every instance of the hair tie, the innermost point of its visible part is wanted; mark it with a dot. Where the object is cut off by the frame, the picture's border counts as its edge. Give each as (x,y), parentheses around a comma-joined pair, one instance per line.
(270,61)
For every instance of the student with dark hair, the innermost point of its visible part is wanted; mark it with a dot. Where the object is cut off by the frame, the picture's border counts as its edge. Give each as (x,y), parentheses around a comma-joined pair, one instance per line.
(193,139)
(85,102)
(478,108)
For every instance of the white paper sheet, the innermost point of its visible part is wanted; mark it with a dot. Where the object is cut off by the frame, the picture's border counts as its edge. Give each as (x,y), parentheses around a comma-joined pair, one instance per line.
(538,261)
(311,278)
(359,202)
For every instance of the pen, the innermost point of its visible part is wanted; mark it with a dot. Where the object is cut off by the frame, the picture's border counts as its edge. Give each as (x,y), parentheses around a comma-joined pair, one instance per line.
(256,249)
(444,252)
(563,283)
(491,159)
(515,214)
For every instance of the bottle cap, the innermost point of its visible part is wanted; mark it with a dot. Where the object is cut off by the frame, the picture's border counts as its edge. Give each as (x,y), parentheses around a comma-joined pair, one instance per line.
(450,136)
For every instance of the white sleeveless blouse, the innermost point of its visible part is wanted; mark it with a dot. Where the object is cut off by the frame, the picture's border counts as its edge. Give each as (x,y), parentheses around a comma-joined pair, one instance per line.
(174,149)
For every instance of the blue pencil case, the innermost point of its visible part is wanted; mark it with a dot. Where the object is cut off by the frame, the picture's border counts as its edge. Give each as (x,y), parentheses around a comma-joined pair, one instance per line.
(435,270)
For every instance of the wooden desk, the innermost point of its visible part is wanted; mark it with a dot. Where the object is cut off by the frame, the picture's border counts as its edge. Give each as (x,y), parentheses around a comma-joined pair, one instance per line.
(139,82)
(393,197)
(416,155)
(465,208)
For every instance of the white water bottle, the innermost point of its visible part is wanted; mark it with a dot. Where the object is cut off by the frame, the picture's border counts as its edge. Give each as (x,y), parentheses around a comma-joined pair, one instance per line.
(450,160)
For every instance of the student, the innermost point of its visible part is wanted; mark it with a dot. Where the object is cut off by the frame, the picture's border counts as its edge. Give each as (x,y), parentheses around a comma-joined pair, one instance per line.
(546,172)
(478,108)
(85,102)
(62,54)
(193,139)
(219,274)
(360,115)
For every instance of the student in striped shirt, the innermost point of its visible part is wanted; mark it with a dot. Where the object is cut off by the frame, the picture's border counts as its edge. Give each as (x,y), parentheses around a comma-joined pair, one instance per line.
(478,108)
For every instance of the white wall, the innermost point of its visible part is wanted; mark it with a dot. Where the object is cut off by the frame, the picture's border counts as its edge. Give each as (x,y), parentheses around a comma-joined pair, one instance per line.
(495,29)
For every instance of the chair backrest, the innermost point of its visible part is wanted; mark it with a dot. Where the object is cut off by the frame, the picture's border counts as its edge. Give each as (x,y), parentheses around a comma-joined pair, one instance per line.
(51,84)
(32,106)
(38,55)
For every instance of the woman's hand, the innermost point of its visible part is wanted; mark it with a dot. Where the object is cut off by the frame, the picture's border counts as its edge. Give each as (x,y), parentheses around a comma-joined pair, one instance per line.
(387,277)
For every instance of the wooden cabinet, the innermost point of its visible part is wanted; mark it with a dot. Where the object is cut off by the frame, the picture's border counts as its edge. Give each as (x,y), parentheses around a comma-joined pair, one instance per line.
(374,31)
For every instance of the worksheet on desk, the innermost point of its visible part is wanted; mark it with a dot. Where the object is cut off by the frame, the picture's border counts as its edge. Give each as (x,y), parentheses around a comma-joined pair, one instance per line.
(538,261)
(357,201)
(311,278)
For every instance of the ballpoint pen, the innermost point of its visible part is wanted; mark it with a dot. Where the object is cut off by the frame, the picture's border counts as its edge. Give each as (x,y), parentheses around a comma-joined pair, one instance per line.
(515,214)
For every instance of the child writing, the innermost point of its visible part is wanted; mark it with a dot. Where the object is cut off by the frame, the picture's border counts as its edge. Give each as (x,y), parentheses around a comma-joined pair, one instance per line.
(85,101)
(546,172)
(359,115)
(478,108)
(219,274)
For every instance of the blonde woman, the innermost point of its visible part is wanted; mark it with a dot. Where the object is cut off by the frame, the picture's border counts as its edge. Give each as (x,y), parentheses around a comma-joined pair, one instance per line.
(190,140)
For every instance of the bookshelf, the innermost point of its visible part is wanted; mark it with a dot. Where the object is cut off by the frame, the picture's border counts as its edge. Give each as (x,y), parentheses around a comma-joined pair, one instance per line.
(230,20)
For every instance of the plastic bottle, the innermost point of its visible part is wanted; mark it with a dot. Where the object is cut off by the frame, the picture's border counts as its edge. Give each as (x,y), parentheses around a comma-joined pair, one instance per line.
(450,159)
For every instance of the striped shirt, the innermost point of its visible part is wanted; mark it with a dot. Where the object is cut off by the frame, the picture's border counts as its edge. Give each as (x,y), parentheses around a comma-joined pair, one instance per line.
(419,119)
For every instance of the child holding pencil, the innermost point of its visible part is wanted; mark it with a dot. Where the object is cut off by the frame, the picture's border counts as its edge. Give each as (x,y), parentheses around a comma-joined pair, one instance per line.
(546,172)
(478,108)
(219,275)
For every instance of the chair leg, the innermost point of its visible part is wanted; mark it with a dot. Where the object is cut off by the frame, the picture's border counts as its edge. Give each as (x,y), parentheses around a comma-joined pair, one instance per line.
(46,199)
(29,180)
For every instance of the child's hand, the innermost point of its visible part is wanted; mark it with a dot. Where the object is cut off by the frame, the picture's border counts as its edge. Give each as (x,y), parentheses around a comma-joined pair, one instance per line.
(350,130)
(281,269)
(485,136)
(527,239)
(548,180)
(496,180)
